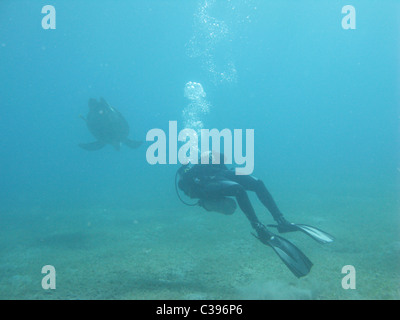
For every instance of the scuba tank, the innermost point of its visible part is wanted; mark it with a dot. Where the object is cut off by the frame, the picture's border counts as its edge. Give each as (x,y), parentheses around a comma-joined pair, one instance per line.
(222,205)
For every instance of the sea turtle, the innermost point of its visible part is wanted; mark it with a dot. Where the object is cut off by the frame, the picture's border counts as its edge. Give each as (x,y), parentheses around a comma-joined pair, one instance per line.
(108,126)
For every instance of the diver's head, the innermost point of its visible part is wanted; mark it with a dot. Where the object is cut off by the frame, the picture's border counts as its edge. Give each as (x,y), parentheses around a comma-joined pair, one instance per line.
(212,157)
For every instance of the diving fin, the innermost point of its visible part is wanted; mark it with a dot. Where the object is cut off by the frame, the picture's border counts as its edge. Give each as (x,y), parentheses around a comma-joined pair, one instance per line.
(133,144)
(295,260)
(315,233)
(92,146)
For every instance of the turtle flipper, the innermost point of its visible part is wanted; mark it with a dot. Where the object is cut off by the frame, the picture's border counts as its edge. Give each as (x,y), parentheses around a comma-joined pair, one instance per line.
(133,143)
(92,146)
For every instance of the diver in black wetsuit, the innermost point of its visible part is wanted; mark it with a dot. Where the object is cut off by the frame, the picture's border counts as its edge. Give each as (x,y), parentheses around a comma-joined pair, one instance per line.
(213,184)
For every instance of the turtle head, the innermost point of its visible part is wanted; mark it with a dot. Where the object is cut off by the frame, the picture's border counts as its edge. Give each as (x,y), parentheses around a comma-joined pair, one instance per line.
(93,104)
(101,107)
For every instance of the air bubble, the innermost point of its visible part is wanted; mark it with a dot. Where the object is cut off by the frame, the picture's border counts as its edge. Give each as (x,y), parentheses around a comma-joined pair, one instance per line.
(194,91)
(198,106)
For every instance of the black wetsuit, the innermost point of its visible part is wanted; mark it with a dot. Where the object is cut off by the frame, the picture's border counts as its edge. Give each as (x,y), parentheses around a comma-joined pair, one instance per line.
(208,181)
(214,183)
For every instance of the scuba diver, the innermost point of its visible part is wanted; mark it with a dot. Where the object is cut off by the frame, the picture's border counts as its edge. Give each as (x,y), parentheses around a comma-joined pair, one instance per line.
(213,184)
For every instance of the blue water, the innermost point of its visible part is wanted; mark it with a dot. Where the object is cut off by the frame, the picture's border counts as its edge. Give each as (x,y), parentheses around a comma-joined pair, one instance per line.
(323,103)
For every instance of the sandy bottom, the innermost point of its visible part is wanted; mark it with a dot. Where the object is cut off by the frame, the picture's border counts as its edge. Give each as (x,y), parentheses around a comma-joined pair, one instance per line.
(186,253)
